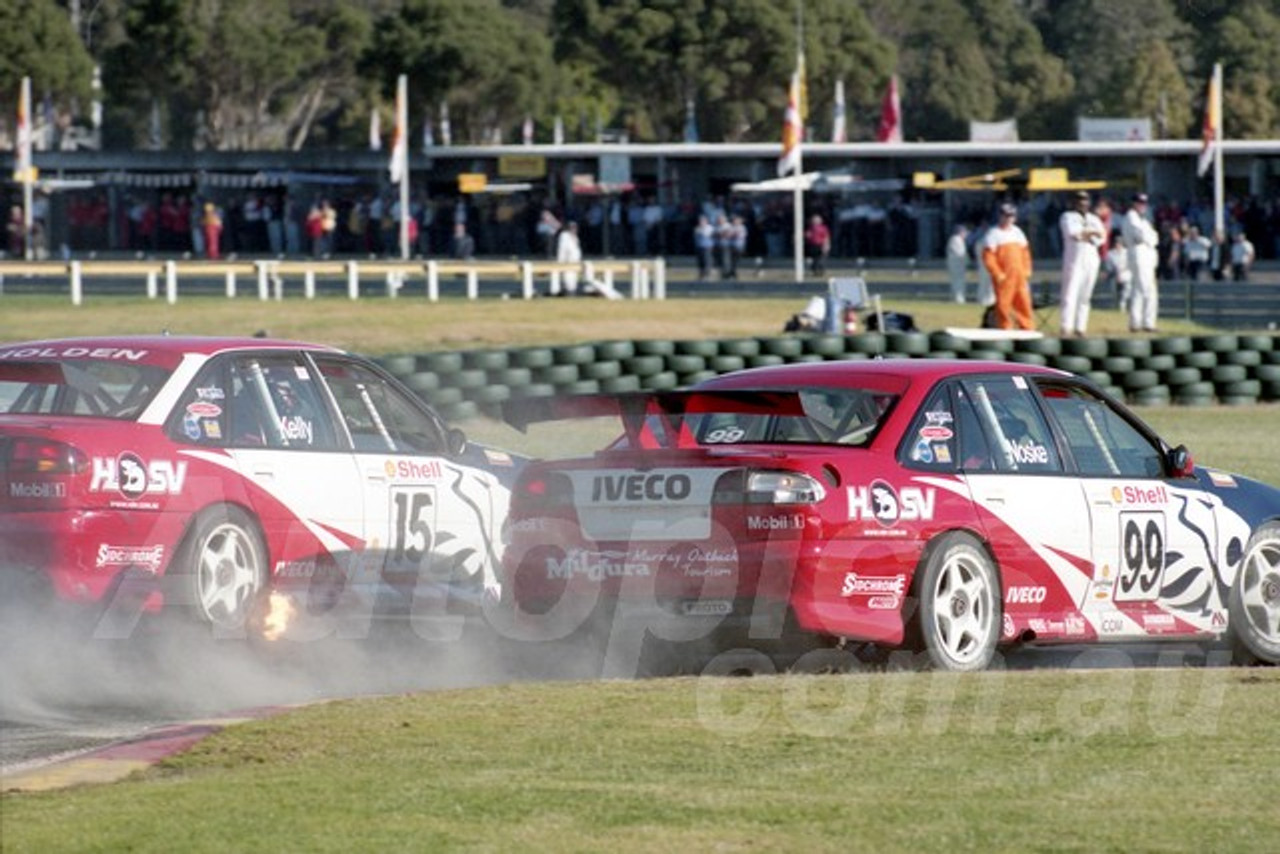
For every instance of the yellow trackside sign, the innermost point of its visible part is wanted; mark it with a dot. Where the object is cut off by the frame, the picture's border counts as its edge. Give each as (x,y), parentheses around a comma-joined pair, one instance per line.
(522,166)
(472,182)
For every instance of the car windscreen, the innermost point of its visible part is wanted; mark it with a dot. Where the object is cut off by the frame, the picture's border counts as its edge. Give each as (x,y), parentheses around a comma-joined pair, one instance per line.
(95,388)
(832,416)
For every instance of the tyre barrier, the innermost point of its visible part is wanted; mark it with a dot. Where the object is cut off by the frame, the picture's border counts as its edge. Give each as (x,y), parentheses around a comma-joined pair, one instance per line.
(1182,370)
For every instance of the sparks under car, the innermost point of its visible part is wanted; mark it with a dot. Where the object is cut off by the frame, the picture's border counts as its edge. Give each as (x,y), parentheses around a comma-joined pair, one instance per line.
(205,471)
(950,507)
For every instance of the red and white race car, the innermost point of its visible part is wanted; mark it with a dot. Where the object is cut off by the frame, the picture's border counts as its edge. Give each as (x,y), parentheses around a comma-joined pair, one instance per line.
(951,507)
(201,472)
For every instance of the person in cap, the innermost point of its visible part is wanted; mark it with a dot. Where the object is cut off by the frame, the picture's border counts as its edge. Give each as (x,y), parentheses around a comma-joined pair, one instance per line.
(1007,257)
(1082,238)
(1141,241)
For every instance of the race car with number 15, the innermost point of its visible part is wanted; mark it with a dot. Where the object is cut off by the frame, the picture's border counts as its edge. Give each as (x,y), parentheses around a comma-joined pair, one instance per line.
(208,474)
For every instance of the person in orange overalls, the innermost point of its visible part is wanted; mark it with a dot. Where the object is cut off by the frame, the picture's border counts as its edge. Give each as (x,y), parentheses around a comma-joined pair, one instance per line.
(1007,257)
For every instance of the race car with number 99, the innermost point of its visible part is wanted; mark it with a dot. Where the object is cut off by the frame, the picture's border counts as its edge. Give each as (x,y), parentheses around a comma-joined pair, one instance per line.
(948,507)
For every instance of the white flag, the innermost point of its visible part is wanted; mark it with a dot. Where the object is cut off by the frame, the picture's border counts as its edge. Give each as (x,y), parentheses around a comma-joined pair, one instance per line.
(375,131)
(22,165)
(839,131)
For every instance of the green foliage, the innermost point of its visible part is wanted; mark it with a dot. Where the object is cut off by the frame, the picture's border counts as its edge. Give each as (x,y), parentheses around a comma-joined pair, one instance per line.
(305,73)
(470,53)
(1247,41)
(37,41)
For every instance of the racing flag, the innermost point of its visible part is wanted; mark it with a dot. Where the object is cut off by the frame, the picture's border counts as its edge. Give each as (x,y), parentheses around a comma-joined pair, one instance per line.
(399,166)
(446,132)
(1211,132)
(375,130)
(22,163)
(890,129)
(791,130)
(839,132)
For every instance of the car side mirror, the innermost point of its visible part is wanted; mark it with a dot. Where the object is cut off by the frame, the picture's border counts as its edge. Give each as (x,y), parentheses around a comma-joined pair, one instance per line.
(1180,462)
(455,442)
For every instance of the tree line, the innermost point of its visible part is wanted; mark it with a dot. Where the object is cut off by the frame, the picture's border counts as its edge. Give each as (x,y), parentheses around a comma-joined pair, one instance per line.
(306,74)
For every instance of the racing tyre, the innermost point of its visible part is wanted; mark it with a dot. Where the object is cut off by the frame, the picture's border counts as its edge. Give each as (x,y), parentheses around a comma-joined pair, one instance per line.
(573,354)
(788,348)
(1262,343)
(1133,348)
(959,595)
(1174,345)
(614,350)
(740,347)
(224,567)
(1042,346)
(699,347)
(946,341)
(1255,597)
(486,360)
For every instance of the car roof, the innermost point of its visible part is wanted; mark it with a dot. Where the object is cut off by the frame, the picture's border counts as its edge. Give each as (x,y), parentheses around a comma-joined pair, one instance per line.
(161,346)
(876,371)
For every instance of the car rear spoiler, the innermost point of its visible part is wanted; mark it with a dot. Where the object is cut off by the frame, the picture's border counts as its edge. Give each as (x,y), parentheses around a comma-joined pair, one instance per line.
(634,407)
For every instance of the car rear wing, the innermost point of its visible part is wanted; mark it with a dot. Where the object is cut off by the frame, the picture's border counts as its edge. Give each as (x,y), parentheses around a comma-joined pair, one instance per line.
(635,408)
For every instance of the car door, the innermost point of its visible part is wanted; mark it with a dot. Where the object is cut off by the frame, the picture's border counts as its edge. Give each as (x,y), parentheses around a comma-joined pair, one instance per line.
(431,517)
(1154,537)
(1033,510)
(269,413)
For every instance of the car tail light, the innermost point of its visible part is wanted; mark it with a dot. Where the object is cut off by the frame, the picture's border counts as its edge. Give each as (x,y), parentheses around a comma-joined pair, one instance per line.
(547,489)
(783,487)
(27,456)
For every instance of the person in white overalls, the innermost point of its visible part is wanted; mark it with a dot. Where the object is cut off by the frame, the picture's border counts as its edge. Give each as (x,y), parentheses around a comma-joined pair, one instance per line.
(1141,240)
(1082,238)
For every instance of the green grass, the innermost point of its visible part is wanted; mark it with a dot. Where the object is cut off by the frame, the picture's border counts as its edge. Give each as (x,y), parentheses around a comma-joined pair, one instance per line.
(1115,760)
(410,324)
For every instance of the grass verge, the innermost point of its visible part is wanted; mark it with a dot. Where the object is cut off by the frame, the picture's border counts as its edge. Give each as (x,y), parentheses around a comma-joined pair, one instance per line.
(1089,760)
(410,324)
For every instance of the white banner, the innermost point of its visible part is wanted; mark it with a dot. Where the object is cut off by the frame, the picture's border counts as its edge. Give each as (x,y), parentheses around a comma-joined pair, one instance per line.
(1113,130)
(1006,131)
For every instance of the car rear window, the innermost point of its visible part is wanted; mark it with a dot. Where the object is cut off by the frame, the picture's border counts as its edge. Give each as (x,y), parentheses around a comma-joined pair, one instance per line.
(88,387)
(832,416)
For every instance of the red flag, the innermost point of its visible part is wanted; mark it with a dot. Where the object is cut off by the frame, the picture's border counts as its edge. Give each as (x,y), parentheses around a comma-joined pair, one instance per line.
(399,165)
(1212,128)
(890,129)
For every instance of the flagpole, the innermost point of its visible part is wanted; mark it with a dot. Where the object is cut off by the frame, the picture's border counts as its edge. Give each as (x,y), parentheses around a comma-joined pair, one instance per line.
(401,150)
(1219,200)
(797,196)
(797,212)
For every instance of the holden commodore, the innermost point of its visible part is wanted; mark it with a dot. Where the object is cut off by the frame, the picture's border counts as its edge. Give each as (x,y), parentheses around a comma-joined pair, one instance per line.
(952,508)
(237,479)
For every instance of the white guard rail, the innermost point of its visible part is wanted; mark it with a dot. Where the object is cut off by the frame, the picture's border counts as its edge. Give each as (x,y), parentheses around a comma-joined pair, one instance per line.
(646,278)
